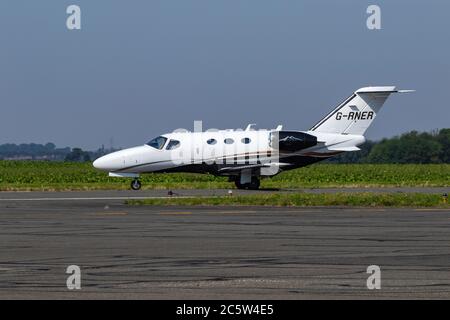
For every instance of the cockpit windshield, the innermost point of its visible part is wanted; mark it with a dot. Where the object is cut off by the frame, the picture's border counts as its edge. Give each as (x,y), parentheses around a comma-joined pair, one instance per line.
(158,142)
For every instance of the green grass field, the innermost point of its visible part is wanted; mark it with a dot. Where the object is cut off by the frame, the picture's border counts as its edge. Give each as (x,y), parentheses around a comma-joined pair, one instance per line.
(40,175)
(362,199)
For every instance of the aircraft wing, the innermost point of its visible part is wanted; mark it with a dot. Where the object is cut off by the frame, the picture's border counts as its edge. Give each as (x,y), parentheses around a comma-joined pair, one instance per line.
(251,166)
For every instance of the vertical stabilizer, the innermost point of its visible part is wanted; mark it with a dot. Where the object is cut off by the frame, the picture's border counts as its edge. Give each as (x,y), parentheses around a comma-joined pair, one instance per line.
(356,113)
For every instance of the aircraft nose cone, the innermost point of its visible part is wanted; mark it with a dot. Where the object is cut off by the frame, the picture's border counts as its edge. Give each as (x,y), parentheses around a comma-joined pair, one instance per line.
(120,159)
(110,162)
(100,163)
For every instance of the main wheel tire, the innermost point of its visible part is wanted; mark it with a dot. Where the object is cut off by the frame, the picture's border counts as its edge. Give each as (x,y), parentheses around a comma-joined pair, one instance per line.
(254,185)
(136,184)
(239,185)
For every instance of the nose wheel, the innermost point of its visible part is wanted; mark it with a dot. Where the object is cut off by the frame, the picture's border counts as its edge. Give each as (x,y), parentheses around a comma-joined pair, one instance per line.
(136,184)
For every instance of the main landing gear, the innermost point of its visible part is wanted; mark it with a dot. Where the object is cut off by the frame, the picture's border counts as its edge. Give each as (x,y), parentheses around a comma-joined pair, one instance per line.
(136,184)
(253,185)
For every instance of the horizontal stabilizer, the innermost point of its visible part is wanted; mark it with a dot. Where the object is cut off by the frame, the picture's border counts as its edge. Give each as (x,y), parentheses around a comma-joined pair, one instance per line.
(337,148)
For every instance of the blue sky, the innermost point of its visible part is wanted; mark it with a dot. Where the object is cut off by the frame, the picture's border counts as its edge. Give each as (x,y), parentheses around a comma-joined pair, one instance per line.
(140,68)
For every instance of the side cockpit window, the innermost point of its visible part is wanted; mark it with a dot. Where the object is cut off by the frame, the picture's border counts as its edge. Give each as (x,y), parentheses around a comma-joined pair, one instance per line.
(158,142)
(173,144)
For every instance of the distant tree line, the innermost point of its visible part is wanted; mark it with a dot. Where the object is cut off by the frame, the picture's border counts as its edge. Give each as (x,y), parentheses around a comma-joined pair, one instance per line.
(411,147)
(78,155)
(32,151)
(48,151)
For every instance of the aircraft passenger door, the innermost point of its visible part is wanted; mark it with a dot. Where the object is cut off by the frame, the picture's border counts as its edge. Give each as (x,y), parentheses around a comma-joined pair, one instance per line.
(197,148)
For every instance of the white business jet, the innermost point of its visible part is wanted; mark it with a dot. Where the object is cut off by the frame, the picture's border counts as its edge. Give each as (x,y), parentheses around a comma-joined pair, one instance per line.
(246,156)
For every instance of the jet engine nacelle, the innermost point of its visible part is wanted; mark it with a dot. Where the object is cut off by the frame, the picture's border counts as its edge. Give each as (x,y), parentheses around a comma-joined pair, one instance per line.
(291,141)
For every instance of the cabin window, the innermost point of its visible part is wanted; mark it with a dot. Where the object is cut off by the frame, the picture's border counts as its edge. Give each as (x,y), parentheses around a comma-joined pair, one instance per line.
(158,142)
(246,140)
(173,144)
(228,141)
(211,141)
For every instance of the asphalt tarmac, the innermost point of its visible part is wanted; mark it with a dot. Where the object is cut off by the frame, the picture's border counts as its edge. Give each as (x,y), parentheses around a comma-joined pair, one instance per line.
(143,194)
(216,252)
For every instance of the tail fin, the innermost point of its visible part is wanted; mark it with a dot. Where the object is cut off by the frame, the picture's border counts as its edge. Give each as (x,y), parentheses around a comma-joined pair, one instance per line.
(357,112)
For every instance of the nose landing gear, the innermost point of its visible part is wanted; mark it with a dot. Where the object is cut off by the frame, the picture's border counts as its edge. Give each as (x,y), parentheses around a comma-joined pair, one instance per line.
(136,184)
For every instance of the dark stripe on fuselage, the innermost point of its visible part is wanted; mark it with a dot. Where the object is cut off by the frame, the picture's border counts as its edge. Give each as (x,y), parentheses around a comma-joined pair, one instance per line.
(295,161)
(141,165)
(258,154)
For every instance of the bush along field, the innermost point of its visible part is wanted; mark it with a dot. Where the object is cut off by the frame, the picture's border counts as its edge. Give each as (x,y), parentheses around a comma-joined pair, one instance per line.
(47,176)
